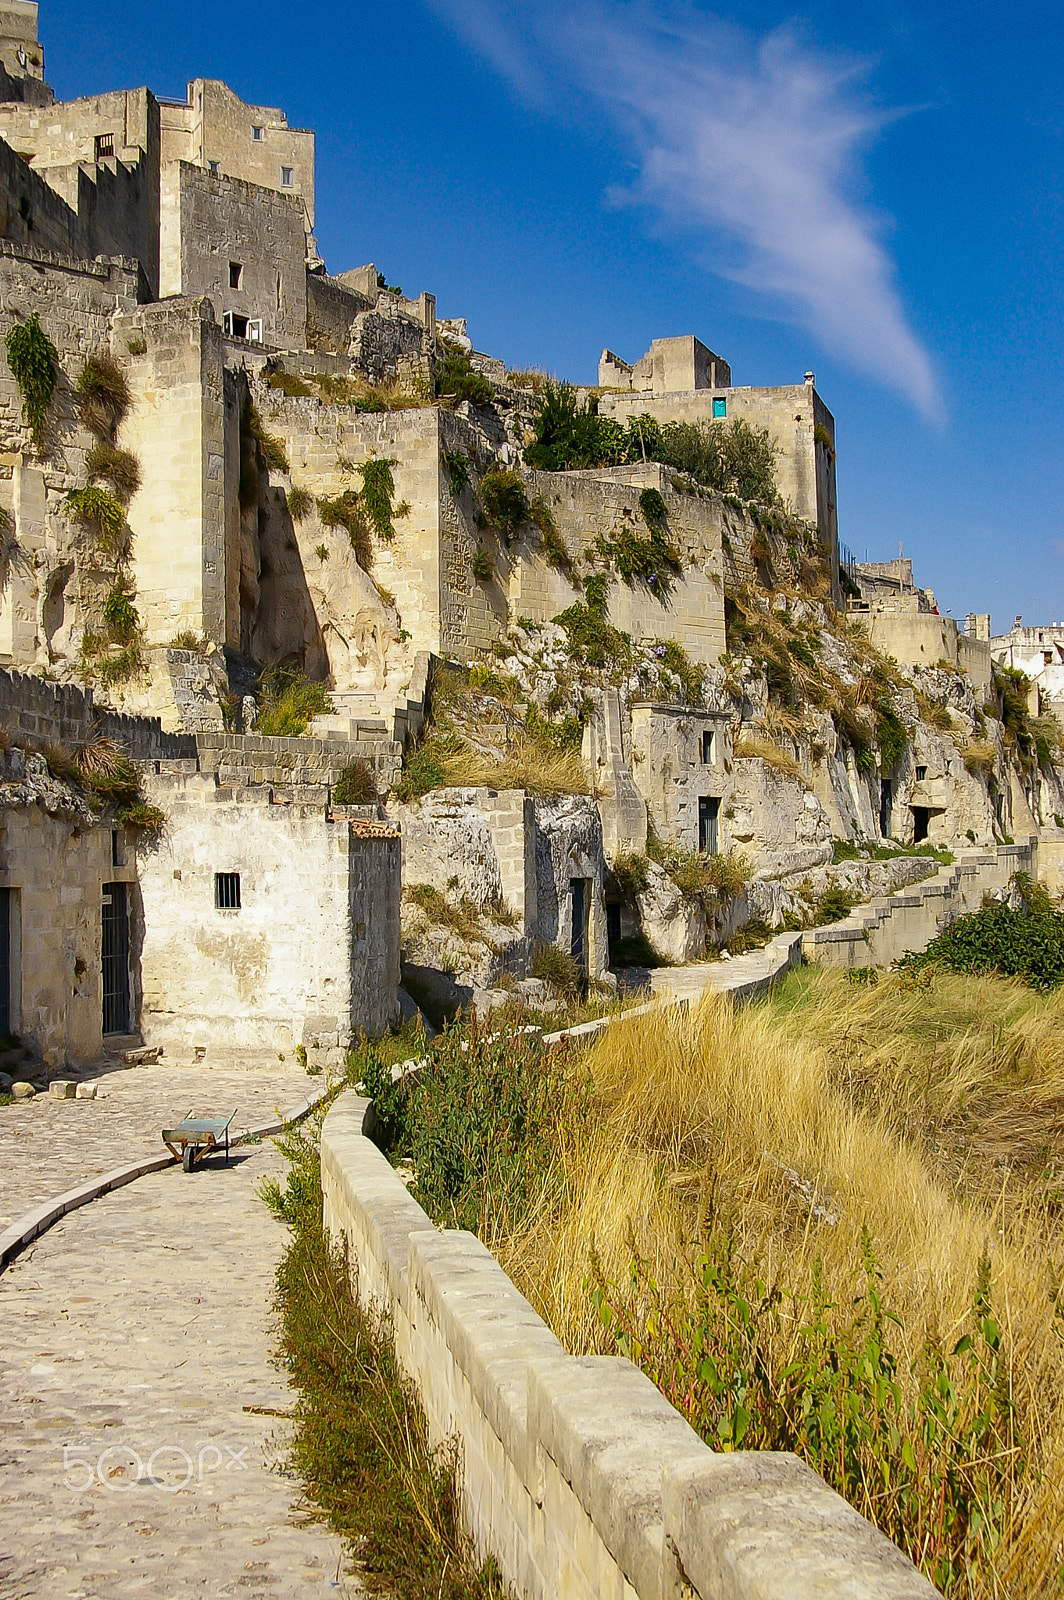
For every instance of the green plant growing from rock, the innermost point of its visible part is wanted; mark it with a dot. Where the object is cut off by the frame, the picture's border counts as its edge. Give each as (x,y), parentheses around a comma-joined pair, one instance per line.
(457,379)
(121,616)
(378,490)
(287,701)
(505,500)
(300,503)
(103,395)
(356,785)
(459,470)
(99,511)
(346,511)
(34,363)
(482,565)
(120,468)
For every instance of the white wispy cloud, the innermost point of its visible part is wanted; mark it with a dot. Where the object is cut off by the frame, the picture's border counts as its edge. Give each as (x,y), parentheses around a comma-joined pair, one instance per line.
(750,148)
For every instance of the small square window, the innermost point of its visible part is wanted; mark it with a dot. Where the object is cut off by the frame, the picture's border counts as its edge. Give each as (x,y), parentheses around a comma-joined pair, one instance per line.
(215,167)
(921,774)
(256,134)
(105,145)
(227,891)
(720,408)
(236,272)
(286,177)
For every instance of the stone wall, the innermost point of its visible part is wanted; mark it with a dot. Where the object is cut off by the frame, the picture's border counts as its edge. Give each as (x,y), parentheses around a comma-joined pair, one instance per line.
(100,153)
(311,956)
(216,228)
(584,506)
(65,714)
(878,934)
(805,468)
(32,215)
(183,550)
(577,1475)
(671,769)
(54,864)
(490,846)
(923,639)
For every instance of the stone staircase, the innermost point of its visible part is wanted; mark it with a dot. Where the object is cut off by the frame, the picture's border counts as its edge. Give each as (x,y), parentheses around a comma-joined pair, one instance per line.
(362,715)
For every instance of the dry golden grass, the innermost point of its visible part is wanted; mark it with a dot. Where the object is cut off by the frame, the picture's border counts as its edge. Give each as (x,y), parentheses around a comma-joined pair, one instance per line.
(900,1109)
(772,754)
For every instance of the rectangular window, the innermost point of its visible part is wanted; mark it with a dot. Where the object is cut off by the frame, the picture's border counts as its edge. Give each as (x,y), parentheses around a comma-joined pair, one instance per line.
(580,902)
(235,326)
(105,145)
(116,848)
(286,177)
(5,962)
(708,810)
(254,331)
(236,273)
(707,747)
(227,891)
(921,774)
(720,408)
(256,134)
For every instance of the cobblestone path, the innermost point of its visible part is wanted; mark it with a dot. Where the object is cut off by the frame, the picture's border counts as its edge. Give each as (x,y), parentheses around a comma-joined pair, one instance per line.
(48,1146)
(134,1338)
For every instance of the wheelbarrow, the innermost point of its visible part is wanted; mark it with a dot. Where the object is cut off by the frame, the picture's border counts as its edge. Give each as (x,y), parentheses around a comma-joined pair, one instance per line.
(195,1137)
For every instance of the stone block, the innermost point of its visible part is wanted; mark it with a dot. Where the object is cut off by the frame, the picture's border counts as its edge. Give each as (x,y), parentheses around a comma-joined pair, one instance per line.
(86,1091)
(22,1091)
(63,1088)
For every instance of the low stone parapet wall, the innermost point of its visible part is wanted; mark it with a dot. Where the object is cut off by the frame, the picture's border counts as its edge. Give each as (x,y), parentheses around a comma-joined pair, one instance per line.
(576,1474)
(881,932)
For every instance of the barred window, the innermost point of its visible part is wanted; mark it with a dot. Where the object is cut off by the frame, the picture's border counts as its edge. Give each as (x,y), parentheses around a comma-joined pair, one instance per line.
(227,891)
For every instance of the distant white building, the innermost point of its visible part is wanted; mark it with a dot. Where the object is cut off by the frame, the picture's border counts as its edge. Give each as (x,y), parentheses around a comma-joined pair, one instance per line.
(1039,652)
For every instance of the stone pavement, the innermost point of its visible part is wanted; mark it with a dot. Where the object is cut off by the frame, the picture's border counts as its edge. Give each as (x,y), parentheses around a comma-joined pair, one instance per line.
(136,1389)
(48,1145)
(743,977)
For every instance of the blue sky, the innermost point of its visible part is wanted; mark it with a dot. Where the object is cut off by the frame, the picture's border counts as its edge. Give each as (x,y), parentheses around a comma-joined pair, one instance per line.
(872,192)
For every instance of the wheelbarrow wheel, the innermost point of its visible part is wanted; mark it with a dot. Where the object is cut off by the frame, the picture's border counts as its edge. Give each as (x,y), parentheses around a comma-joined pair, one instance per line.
(188,1156)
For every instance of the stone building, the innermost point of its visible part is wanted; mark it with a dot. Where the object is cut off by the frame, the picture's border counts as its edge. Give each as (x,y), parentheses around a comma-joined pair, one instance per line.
(259,919)
(680,380)
(904,622)
(1038,652)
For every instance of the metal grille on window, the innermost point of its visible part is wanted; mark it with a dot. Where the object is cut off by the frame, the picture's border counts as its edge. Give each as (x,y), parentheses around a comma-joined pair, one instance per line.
(115,959)
(227,891)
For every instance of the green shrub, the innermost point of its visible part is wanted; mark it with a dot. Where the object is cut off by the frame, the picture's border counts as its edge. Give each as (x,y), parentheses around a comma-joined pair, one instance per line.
(732,457)
(121,616)
(631,873)
(34,363)
(651,559)
(347,511)
(119,468)
(934,1471)
(142,814)
(652,505)
(378,489)
(570,435)
(459,470)
(483,565)
(423,770)
(558,970)
(674,659)
(103,396)
(97,509)
(1027,944)
(728,874)
(356,785)
(505,500)
(457,379)
(835,903)
(594,642)
(300,503)
(287,702)
(892,736)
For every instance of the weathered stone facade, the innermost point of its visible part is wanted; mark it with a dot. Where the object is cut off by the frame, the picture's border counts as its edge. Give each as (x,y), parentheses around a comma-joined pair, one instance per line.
(309,954)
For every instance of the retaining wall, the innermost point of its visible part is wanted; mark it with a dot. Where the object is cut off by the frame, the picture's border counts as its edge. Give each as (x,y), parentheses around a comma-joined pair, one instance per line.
(881,932)
(577,1475)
